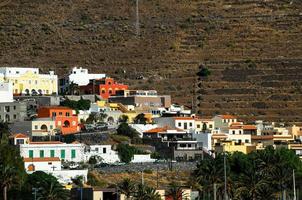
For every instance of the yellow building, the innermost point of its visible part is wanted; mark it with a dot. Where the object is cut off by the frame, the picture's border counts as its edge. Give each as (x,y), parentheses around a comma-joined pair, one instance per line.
(231,147)
(29,81)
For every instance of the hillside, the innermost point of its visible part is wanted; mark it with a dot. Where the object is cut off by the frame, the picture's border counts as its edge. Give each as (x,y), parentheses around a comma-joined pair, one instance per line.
(252,47)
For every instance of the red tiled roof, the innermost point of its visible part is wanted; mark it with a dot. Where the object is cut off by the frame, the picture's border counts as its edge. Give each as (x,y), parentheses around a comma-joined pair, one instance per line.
(228,116)
(19,135)
(249,127)
(161,129)
(46,159)
(47,142)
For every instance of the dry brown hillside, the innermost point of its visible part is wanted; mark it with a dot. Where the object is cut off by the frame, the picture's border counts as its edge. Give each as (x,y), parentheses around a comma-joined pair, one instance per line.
(252,47)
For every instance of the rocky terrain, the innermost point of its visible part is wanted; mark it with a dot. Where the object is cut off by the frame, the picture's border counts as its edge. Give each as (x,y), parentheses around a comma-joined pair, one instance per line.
(252,48)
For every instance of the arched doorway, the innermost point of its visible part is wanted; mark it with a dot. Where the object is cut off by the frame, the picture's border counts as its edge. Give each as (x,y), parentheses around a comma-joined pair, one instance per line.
(31,168)
(66,123)
(33,92)
(44,128)
(40,92)
(27,92)
(110,120)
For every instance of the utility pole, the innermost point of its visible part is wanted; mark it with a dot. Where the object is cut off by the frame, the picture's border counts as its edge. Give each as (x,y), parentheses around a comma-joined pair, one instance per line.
(137,19)
(294,185)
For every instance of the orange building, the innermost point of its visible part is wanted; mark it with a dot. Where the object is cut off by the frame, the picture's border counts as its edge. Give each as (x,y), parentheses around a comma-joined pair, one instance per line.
(63,117)
(109,87)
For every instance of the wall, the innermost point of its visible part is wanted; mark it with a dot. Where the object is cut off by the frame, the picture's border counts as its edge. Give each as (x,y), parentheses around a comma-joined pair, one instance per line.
(6,92)
(17,111)
(24,150)
(65,176)
(142,158)
(44,166)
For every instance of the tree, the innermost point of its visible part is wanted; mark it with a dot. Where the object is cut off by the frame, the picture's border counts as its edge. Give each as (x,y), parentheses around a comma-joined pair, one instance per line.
(47,186)
(175,191)
(4,132)
(123,119)
(140,119)
(12,173)
(126,152)
(78,181)
(82,104)
(204,71)
(144,192)
(126,187)
(126,130)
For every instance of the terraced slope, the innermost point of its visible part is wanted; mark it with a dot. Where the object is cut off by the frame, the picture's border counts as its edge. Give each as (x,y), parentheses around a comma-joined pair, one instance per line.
(252,47)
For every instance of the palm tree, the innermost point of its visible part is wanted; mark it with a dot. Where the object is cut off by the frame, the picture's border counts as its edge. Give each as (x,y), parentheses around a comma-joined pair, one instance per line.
(8,177)
(126,187)
(175,191)
(144,192)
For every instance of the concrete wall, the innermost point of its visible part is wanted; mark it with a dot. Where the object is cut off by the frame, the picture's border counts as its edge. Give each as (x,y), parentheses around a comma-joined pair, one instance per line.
(13,112)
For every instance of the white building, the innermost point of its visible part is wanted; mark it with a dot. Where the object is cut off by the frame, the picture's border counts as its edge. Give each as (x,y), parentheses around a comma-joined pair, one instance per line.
(104,152)
(42,164)
(66,152)
(6,92)
(184,123)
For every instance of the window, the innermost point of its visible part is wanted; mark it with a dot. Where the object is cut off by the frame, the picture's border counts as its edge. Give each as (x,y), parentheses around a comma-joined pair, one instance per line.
(41,153)
(246,141)
(182,145)
(185,126)
(36,127)
(52,153)
(233,132)
(104,150)
(97,149)
(54,114)
(6,109)
(36,82)
(14,107)
(15,116)
(189,145)
(179,124)
(60,113)
(73,153)
(31,153)
(191,124)
(62,154)
(51,126)
(210,126)
(67,114)
(239,132)
(198,125)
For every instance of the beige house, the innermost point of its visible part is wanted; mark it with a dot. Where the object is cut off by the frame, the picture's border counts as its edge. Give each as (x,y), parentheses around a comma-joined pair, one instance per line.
(43,127)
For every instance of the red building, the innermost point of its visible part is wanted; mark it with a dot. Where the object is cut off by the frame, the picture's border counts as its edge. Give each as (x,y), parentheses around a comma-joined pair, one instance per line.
(63,117)
(104,87)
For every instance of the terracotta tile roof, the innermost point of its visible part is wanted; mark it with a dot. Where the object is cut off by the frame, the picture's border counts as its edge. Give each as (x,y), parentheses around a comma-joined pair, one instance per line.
(47,142)
(162,129)
(227,116)
(236,127)
(262,137)
(46,159)
(19,135)
(249,127)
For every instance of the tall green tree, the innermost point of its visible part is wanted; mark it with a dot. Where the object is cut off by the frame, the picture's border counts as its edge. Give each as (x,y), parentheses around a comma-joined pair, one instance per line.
(47,186)
(4,132)
(127,187)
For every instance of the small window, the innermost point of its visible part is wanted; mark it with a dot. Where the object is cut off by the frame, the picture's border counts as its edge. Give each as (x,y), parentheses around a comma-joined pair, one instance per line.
(104,150)
(67,114)
(15,116)
(60,113)
(31,153)
(62,154)
(51,126)
(210,126)
(52,153)
(179,124)
(41,153)
(73,153)
(233,132)
(198,125)
(14,107)
(191,124)
(54,114)
(36,127)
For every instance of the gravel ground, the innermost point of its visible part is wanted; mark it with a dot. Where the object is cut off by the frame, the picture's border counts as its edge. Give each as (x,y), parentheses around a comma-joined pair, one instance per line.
(137,167)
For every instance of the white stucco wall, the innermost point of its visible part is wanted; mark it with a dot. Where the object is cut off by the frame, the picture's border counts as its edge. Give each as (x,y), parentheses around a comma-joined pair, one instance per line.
(44,166)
